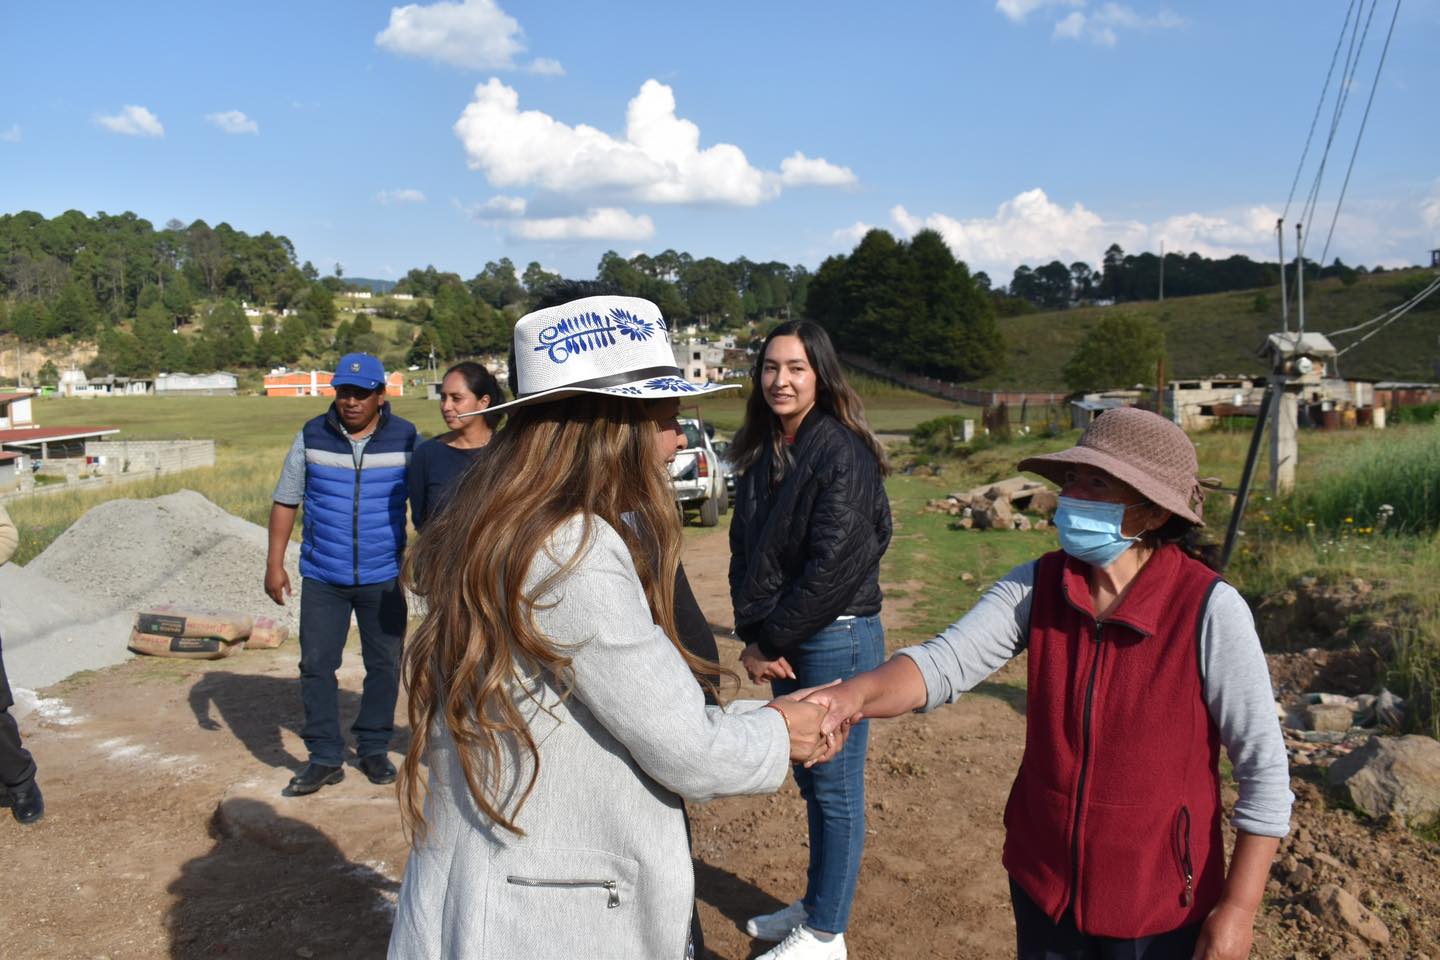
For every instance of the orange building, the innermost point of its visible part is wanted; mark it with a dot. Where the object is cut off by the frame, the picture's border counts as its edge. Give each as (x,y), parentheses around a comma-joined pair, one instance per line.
(316,383)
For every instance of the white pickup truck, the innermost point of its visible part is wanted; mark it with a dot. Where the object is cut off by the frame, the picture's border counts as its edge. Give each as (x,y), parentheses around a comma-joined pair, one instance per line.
(696,475)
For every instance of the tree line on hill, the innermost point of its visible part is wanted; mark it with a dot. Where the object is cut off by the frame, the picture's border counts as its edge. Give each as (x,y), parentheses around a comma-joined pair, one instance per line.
(1126,277)
(133,288)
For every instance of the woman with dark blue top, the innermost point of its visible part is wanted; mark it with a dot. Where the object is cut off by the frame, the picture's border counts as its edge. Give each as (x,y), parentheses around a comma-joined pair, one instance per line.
(438,463)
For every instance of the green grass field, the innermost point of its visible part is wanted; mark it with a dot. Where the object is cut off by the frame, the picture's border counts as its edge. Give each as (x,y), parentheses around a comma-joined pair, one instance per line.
(1220,333)
(252,433)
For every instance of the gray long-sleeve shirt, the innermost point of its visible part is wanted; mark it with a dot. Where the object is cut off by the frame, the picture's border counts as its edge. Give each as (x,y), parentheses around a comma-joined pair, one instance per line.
(1236,684)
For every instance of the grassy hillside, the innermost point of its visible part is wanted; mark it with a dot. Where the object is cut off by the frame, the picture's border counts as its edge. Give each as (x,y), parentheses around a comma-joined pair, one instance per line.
(1220,333)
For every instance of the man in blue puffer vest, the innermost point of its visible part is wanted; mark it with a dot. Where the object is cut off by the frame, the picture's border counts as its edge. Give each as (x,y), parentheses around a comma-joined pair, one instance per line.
(348,468)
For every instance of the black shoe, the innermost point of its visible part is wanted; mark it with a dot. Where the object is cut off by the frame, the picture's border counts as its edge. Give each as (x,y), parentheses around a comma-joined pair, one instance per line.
(378,768)
(26,804)
(313,777)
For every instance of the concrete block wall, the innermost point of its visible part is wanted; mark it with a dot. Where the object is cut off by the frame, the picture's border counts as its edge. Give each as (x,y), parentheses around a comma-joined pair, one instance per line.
(149,456)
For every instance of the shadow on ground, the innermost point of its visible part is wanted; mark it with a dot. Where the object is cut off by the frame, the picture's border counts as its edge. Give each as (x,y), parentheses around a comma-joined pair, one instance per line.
(737,900)
(299,896)
(1009,694)
(258,709)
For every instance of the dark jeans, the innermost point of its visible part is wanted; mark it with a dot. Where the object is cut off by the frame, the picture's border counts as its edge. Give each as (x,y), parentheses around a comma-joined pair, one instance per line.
(17,768)
(834,791)
(325,610)
(1037,938)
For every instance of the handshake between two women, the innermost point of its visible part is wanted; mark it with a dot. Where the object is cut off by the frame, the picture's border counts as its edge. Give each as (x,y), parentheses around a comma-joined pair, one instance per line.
(818,720)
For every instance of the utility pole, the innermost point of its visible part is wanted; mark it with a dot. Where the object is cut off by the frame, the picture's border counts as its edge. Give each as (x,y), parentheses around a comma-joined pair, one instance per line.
(1162,271)
(1284,293)
(1300,278)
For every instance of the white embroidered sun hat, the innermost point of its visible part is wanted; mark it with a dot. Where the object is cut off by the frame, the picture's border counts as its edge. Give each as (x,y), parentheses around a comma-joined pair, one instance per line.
(617,346)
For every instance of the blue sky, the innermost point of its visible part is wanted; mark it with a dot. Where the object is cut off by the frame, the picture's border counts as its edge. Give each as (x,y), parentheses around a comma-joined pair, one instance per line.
(386,137)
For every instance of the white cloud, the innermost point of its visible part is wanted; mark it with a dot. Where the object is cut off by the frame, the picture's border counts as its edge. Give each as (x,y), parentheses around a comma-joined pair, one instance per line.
(852,234)
(1100,26)
(546,67)
(12,135)
(659,160)
(603,223)
(133,121)
(1032,229)
(403,195)
(1072,27)
(1429,207)
(474,34)
(799,170)
(1018,10)
(233,121)
(498,207)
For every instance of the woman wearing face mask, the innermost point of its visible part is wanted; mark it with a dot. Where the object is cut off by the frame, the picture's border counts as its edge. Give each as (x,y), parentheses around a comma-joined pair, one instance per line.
(466,390)
(1142,663)
(811,523)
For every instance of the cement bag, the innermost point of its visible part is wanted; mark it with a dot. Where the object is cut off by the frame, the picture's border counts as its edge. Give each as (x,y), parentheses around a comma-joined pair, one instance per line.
(168,620)
(267,633)
(183,648)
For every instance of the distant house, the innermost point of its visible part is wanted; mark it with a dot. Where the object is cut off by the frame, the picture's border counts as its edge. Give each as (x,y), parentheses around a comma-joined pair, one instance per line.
(52,443)
(218,384)
(704,361)
(1198,404)
(316,383)
(15,410)
(1091,405)
(402,296)
(359,294)
(74,383)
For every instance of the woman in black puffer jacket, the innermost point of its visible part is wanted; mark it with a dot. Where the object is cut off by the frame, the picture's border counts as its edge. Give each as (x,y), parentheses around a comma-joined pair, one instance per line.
(811,523)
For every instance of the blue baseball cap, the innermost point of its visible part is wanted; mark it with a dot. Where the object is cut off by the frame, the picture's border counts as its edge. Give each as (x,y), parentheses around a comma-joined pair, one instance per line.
(359,370)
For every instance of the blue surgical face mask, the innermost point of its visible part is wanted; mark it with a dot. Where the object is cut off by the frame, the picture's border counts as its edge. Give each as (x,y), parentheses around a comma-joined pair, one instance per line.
(1090,530)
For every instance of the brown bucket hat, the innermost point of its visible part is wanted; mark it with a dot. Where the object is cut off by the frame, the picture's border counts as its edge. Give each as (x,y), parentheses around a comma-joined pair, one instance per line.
(1138,448)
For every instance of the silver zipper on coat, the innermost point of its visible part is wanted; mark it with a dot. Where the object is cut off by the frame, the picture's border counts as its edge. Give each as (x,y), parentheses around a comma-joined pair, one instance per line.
(610,886)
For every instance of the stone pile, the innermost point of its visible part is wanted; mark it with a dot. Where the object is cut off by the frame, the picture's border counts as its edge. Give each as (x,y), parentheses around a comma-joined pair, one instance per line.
(1325,726)
(1000,506)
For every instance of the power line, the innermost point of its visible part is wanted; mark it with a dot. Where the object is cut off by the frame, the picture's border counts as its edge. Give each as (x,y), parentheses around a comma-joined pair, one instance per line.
(1352,60)
(1353,153)
(1398,312)
(1374,320)
(1324,94)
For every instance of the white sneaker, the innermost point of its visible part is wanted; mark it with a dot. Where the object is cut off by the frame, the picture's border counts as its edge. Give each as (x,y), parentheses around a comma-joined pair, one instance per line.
(774,926)
(802,944)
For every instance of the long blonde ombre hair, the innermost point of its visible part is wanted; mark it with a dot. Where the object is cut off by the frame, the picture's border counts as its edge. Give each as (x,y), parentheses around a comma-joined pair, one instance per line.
(593,456)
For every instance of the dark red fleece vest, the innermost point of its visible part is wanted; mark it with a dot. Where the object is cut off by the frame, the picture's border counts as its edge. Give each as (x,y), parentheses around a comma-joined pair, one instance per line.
(1115,812)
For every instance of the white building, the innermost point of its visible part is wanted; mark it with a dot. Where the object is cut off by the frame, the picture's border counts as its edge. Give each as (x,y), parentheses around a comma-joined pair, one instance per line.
(705,360)
(196,385)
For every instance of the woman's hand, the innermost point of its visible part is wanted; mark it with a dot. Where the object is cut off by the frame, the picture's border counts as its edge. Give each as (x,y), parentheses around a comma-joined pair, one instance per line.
(808,744)
(1227,933)
(844,705)
(761,669)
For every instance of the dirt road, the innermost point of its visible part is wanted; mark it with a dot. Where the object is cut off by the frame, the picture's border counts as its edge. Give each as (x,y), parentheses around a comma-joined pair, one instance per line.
(166,835)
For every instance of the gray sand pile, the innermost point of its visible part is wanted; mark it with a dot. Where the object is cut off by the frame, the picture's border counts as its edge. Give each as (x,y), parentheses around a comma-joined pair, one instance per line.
(71,607)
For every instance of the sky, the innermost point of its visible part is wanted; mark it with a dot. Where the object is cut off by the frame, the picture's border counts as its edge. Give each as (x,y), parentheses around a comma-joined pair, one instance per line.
(386,137)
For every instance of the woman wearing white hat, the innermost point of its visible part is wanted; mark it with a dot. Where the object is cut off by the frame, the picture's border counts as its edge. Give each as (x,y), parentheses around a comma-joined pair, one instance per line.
(1142,663)
(561,722)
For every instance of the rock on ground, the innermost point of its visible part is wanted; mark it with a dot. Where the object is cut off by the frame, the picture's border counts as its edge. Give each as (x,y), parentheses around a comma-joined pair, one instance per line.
(1399,776)
(1339,908)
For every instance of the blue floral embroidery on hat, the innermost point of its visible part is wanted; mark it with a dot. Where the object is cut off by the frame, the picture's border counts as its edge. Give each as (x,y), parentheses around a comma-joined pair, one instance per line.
(673,384)
(630,391)
(591,331)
